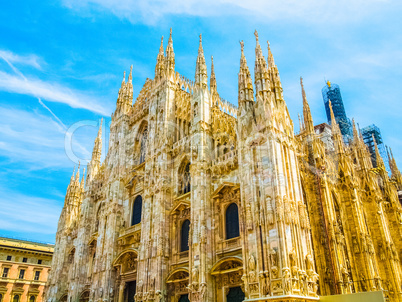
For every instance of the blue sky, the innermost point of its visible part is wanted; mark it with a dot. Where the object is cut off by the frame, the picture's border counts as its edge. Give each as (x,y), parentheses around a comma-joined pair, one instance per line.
(62,62)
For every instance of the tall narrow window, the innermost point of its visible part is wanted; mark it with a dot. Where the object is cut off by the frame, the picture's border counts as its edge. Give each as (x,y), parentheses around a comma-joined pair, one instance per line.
(22,273)
(143,150)
(32,299)
(16,298)
(184,179)
(185,229)
(5,272)
(24,259)
(37,275)
(232,221)
(137,209)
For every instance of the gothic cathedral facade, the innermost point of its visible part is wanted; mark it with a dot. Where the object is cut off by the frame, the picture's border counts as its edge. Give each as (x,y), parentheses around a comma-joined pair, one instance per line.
(198,200)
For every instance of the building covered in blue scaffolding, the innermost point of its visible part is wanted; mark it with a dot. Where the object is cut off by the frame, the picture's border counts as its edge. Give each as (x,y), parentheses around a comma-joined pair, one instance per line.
(371,133)
(331,92)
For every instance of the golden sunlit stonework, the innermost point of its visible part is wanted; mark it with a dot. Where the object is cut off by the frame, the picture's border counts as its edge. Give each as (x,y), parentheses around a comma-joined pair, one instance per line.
(198,200)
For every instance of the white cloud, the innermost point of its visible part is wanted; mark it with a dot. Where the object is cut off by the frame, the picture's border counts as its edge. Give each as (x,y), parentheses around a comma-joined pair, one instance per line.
(311,11)
(49,91)
(23,213)
(35,141)
(31,60)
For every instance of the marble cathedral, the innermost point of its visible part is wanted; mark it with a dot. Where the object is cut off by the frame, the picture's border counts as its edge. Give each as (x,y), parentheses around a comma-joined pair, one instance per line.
(198,200)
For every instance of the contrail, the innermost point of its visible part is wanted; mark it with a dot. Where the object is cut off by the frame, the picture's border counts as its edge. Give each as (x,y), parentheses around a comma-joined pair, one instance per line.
(18,72)
(52,113)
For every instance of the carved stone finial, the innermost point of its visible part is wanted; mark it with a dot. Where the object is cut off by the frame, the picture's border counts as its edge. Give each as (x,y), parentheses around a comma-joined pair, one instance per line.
(242,45)
(256,35)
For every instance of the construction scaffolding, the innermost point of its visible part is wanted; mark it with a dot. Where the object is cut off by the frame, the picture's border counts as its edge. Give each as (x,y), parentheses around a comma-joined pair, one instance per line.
(331,92)
(368,133)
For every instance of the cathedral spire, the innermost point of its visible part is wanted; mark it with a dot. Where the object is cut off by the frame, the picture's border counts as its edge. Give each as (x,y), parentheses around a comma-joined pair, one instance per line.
(308,119)
(356,137)
(72,176)
(170,61)
(130,76)
(82,179)
(201,67)
(77,176)
(97,151)
(212,80)
(395,173)
(271,62)
(94,164)
(260,70)
(378,158)
(160,61)
(336,132)
(124,78)
(301,127)
(245,82)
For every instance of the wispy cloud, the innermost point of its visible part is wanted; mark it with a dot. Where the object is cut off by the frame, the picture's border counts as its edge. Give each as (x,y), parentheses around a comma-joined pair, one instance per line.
(37,141)
(10,57)
(23,213)
(311,11)
(52,92)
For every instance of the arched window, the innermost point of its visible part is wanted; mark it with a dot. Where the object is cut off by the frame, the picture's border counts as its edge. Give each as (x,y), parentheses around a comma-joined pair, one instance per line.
(184,179)
(143,148)
(32,298)
(232,221)
(1,297)
(16,298)
(137,209)
(185,229)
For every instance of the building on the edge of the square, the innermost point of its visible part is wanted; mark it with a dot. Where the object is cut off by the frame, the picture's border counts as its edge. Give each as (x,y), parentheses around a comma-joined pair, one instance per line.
(199,200)
(24,269)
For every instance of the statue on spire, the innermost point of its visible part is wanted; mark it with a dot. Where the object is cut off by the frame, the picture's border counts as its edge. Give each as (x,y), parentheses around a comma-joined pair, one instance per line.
(256,35)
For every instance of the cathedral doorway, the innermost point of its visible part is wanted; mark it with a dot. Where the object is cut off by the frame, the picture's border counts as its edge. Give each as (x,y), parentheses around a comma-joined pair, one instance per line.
(184,298)
(235,294)
(130,291)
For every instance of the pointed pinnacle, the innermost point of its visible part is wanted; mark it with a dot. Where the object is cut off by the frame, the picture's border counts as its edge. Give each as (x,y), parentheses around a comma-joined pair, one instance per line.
(200,50)
(130,76)
(355,133)
(212,65)
(300,123)
(77,176)
(377,152)
(212,80)
(100,129)
(256,35)
(161,47)
(270,58)
(388,155)
(72,176)
(303,92)
(170,41)
(333,121)
(124,77)
(83,177)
